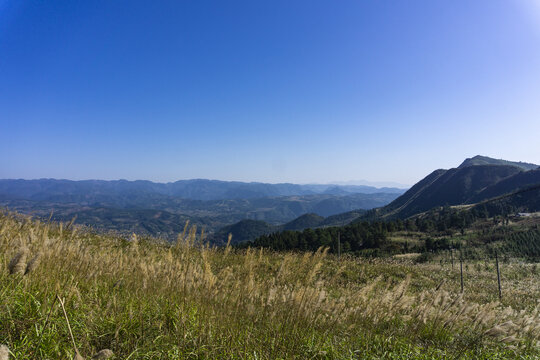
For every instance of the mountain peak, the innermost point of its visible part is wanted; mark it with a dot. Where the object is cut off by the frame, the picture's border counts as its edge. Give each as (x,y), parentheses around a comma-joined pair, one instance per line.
(485,160)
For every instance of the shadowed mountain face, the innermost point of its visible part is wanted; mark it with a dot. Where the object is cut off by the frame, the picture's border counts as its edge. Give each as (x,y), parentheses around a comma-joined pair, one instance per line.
(476,179)
(520,180)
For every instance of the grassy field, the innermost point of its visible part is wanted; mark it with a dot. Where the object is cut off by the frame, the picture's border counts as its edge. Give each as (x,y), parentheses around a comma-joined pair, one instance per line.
(148,300)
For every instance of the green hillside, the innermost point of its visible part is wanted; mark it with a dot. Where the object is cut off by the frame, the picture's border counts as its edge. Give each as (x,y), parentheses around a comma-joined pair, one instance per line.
(144,299)
(477,230)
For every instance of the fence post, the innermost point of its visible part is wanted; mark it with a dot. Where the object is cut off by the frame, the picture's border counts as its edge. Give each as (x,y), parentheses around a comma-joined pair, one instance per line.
(339,246)
(461,268)
(498,274)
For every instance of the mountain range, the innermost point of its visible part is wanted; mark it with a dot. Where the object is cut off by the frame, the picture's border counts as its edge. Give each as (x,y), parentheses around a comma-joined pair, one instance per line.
(125,191)
(162,209)
(248,210)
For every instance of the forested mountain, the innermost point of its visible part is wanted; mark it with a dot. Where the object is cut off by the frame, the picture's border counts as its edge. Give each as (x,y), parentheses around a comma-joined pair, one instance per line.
(247,230)
(523,200)
(305,221)
(473,229)
(243,230)
(476,179)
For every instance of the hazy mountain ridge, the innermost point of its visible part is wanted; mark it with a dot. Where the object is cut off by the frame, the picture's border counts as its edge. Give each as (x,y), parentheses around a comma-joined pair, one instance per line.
(196,189)
(148,208)
(155,208)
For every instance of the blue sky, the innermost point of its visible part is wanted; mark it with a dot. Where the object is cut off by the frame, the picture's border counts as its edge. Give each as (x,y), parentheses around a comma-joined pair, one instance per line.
(274,91)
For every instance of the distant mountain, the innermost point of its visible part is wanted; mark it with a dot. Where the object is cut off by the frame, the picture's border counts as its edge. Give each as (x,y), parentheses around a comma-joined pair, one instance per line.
(117,205)
(343,218)
(211,214)
(377,184)
(305,221)
(243,230)
(198,189)
(476,179)
(126,221)
(247,230)
(484,160)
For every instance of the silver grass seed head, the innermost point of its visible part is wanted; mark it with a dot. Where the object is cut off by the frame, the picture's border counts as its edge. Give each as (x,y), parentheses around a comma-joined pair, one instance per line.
(32,264)
(4,352)
(102,354)
(17,265)
(495,331)
(509,339)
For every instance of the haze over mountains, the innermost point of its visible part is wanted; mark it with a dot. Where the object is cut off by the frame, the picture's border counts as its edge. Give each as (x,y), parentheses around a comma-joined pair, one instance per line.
(157,208)
(196,189)
(248,210)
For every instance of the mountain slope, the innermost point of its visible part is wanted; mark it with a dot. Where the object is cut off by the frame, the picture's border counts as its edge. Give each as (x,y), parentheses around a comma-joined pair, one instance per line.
(513,183)
(410,196)
(484,160)
(305,221)
(243,230)
(462,185)
(523,200)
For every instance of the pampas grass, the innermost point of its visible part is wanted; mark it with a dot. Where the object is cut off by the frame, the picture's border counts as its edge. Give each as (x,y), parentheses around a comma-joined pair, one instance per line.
(102,354)
(32,264)
(17,265)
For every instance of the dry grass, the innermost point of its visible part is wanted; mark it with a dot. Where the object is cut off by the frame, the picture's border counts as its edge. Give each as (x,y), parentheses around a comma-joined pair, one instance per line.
(4,352)
(149,300)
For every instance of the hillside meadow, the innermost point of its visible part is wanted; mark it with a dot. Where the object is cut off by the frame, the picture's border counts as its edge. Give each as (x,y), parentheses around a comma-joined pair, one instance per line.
(66,290)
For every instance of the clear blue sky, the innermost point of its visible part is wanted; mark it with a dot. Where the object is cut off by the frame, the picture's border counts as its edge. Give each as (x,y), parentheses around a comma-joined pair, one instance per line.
(274,91)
